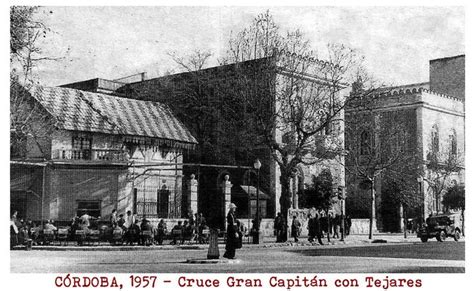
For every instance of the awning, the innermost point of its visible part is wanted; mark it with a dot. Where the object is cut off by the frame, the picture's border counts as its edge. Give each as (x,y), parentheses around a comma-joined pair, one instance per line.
(246,190)
(22,183)
(25,178)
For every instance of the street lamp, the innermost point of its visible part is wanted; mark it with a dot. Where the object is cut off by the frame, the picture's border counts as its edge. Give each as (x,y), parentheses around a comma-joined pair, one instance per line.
(341,195)
(257,165)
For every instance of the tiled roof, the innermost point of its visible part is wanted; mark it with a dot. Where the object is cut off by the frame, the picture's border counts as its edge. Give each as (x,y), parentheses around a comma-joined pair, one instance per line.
(94,112)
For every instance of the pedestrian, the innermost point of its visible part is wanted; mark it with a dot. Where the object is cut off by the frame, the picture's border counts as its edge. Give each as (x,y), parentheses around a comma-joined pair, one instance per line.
(277,226)
(128,227)
(311,230)
(113,218)
(335,226)
(232,233)
(129,220)
(13,230)
(295,228)
(318,228)
(86,220)
(348,225)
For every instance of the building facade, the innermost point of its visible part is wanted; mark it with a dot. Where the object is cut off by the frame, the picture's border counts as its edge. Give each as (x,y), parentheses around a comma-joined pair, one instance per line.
(235,97)
(425,127)
(96,153)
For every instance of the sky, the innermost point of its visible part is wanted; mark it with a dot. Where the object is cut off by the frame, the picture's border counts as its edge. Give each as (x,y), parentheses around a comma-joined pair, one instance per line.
(113,42)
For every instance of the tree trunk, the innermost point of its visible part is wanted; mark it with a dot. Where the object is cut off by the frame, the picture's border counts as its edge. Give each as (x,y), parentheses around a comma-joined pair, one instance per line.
(405,221)
(462,225)
(329,224)
(372,208)
(285,202)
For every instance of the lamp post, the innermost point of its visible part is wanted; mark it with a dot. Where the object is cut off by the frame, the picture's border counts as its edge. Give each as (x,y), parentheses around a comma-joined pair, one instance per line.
(257,165)
(341,195)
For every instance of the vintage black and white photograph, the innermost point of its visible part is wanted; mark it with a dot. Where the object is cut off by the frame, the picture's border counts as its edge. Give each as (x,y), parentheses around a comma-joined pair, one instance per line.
(237,139)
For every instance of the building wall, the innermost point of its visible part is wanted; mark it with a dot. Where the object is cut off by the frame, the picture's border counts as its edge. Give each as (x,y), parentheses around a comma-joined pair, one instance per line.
(224,128)
(112,185)
(389,115)
(447,114)
(447,76)
(416,112)
(70,185)
(62,140)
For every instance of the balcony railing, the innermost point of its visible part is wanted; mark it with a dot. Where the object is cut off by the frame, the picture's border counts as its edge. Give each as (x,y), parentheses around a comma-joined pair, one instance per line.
(92,155)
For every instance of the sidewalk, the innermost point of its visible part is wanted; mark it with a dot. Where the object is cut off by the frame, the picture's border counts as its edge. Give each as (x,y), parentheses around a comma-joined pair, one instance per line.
(268,242)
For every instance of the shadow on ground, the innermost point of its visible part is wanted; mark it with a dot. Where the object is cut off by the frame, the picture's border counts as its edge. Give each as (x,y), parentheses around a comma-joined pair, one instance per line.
(435,251)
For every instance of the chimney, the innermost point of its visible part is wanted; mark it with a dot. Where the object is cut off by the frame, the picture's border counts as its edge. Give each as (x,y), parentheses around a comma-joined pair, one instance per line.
(143,76)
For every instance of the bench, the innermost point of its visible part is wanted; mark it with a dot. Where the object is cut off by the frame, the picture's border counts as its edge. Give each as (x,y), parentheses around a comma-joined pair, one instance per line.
(63,234)
(48,236)
(93,236)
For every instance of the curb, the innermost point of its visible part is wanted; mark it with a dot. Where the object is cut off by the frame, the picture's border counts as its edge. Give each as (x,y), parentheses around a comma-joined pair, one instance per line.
(212,261)
(205,247)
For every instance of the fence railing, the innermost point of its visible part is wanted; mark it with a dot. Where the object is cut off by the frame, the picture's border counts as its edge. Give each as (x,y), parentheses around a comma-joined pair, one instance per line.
(150,209)
(94,154)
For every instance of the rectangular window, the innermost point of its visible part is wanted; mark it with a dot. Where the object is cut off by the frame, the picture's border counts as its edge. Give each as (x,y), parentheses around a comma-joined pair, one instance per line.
(91,207)
(82,147)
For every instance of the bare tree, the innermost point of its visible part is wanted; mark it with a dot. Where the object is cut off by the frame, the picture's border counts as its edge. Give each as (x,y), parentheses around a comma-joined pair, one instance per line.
(28,120)
(379,145)
(440,169)
(301,125)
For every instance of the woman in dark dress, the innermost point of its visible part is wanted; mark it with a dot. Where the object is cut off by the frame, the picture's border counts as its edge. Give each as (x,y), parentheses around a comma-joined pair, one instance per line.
(232,233)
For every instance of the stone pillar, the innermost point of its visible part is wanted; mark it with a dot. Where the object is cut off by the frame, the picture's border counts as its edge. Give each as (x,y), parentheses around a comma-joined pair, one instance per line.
(226,187)
(213,250)
(193,196)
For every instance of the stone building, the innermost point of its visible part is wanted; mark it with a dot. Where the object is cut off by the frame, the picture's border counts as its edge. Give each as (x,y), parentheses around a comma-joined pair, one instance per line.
(234,97)
(221,106)
(423,122)
(96,152)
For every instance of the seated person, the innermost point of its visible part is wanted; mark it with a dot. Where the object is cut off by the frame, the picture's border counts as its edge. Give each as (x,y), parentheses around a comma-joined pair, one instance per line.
(50,225)
(160,231)
(187,231)
(145,226)
(175,232)
(121,221)
(203,237)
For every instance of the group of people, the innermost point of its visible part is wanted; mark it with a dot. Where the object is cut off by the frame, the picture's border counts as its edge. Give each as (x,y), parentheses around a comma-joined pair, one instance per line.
(22,231)
(134,229)
(318,225)
(191,229)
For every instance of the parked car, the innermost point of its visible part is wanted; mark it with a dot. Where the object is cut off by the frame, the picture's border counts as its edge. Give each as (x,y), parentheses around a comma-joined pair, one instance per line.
(440,227)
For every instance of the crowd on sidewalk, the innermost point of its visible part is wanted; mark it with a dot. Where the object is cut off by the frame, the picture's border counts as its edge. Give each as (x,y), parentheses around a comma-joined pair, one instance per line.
(319,224)
(124,228)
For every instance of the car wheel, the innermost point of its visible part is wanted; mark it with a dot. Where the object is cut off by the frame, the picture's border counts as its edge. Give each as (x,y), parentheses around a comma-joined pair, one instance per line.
(457,235)
(441,236)
(424,238)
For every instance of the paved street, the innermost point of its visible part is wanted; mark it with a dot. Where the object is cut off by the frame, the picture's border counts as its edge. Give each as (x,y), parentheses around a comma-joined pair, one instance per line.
(359,258)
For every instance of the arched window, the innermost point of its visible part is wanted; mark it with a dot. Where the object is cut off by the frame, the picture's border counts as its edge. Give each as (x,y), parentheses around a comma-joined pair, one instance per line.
(453,143)
(365,143)
(435,139)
